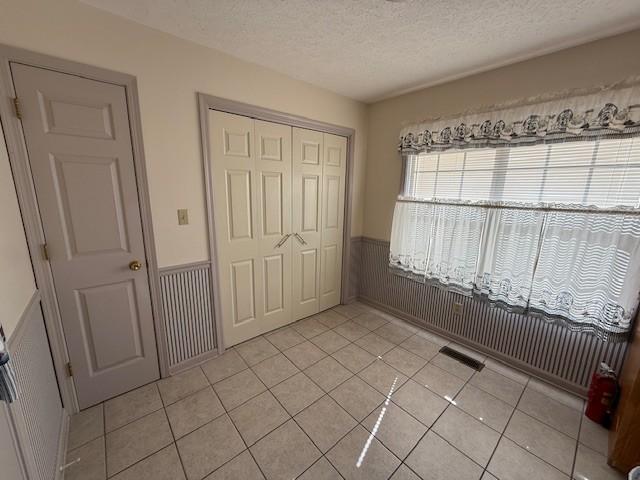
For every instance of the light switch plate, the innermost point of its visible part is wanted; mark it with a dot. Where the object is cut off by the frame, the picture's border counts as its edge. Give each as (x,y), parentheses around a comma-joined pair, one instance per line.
(183,216)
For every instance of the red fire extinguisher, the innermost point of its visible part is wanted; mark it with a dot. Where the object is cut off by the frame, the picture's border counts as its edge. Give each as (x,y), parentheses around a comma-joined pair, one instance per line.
(602,395)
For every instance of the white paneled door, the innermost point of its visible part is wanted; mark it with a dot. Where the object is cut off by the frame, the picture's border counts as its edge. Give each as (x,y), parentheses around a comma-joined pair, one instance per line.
(278,214)
(80,152)
(251,174)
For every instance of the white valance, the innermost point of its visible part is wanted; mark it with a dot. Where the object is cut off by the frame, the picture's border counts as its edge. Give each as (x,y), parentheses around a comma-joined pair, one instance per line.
(612,111)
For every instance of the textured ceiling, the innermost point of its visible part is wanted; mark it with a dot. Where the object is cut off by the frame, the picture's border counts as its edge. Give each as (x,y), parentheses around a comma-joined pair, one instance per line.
(370,49)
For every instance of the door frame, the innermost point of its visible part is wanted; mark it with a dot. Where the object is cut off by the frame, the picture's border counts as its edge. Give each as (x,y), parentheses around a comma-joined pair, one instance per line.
(25,189)
(209,102)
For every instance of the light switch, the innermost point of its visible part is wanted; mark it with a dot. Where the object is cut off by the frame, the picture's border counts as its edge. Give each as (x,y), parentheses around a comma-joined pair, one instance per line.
(183,216)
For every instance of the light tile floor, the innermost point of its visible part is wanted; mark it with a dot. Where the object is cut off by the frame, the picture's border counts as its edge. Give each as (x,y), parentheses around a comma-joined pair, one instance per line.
(348,393)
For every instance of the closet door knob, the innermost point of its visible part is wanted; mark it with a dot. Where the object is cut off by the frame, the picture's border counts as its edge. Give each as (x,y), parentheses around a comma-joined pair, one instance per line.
(135,265)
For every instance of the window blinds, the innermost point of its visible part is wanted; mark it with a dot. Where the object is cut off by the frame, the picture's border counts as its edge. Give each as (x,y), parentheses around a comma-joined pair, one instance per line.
(603,173)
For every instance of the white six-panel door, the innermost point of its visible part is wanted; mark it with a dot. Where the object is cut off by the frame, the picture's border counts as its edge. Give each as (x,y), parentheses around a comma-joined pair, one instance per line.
(278,195)
(251,174)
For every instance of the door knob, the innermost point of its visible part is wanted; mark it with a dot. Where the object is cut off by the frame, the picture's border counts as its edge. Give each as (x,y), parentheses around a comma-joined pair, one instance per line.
(135,265)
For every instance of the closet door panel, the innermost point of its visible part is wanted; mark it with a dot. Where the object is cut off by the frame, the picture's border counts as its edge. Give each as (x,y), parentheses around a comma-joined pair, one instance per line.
(308,152)
(332,219)
(251,177)
(273,165)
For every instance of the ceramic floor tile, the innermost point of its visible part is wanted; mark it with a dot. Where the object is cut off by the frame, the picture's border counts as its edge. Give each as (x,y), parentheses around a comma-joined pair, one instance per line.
(309,327)
(242,467)
(421,347)
(85,426)
(484,407)
(394,333)
(374,344)
(395,428)
(594,436)
(92,461)
(330,341)
(223,366)
(257,417)
(162,465)
(130,406)
(506,371)
(439,381)
(433,337)
(194,411)
(353,357)
(285,453)
(434,458)
(468,435)
(328,373)
(209,447)
(181,385)
(285,338)
(304,355)
(239,388)
(351,330)
(351,310)
(404,361)
(498,385)
(357,398)
(361,456)
(559,395)
(511,462)
(383,378)
(325,422)
(297,393)
(543,441)
(137,440)
(256,350)
(274,370)
(550,411)
(404,473)
(420,402)
(452,366)
(488,476)
(592,465)
(321,470)
(331,319)
(370,320)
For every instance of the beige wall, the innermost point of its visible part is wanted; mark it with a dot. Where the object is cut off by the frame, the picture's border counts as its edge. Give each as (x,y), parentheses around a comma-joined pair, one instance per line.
(16,276)
(592,64)
(170,71)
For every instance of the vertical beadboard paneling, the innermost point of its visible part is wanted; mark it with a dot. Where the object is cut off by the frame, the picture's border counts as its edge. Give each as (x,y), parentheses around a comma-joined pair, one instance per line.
(568,356)
(354,267)
(188,312)
(38,403)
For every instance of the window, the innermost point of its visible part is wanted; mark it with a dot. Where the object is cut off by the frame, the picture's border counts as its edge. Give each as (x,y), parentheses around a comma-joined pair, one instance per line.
(603,173)
(550,228)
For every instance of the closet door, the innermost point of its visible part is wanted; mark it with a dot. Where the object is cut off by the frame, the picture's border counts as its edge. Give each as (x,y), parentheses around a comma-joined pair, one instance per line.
(308,154)
(332,218)
(251,176)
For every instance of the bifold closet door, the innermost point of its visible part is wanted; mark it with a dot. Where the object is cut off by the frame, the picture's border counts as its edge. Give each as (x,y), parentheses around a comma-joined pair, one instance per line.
(251,177)
(332,218)
(319,168)
(308,154)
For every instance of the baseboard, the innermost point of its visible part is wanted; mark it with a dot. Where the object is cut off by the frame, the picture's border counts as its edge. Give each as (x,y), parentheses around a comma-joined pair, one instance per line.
(192,362)
(511,362)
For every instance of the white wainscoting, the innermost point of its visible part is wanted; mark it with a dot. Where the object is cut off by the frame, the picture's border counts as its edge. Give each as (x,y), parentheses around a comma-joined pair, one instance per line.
(38,415)
(187,307)
(547,350)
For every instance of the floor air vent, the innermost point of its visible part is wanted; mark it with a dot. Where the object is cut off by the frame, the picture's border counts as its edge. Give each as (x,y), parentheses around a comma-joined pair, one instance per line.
(462,358)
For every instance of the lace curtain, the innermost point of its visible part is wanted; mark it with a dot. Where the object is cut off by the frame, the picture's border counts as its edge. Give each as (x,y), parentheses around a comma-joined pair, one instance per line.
(535,208)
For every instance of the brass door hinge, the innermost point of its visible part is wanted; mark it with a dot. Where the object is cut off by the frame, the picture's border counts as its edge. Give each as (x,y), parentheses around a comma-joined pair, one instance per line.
(69,370)
(45,252)
(16,107)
